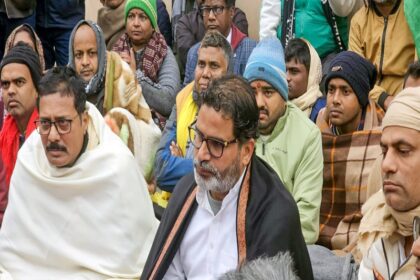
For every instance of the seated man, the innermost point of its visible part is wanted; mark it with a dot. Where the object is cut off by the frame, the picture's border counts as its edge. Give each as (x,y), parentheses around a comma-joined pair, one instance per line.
(386,230)
(304,73)
(109,81)
(350,146)
(190,30)
(289,142)
(233,208)
(79,207)
(174,157)
(20,72)
(217,14)
(412,76)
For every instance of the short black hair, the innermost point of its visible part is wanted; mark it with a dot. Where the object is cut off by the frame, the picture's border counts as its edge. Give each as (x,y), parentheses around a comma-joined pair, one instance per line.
(229,3)
(234,97)
(413,71)
(298,49)
(65,81)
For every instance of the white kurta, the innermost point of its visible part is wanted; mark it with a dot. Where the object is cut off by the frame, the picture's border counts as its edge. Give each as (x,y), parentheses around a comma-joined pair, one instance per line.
(93,220)
(210,246)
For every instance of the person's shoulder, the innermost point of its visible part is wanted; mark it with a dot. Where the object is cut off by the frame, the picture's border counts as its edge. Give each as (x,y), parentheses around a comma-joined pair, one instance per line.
(305,124)
(265,178)
(247,41)
(184,185)
(360,15)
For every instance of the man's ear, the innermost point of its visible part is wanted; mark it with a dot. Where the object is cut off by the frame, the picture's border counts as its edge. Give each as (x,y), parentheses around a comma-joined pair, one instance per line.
(247,151)
(85,120)
(232,12)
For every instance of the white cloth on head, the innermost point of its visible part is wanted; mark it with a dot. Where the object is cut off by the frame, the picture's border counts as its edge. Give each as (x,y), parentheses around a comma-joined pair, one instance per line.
(404,110)
(93,220)
(306,101)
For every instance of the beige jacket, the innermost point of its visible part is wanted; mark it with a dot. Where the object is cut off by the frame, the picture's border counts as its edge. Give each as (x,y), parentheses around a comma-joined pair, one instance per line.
(387,43)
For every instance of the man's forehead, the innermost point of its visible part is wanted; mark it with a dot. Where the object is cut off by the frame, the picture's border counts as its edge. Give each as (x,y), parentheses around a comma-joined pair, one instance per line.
(209,121)
(211,54)
(338,82)
(395,135)
(14,71)
(84,34)
(214,2)
(261,84)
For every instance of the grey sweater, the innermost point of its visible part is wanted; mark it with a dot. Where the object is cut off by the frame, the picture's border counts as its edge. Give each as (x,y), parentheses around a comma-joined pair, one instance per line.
(161,95)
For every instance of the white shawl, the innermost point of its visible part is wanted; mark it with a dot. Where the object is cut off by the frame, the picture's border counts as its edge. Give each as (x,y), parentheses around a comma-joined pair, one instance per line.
(93,220)
(306,101)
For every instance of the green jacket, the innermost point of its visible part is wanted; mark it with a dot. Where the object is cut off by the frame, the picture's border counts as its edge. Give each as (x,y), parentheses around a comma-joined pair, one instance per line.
(294,151)
(312,25)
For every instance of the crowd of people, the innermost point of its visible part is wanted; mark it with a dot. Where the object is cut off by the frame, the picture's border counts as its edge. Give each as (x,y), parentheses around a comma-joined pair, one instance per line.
(155,146)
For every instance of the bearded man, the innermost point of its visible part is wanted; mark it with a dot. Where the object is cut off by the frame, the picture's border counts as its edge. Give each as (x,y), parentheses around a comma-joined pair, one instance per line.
(233,208)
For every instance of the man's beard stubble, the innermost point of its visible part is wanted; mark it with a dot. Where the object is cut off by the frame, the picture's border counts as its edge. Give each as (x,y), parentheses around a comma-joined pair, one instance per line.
(219,182)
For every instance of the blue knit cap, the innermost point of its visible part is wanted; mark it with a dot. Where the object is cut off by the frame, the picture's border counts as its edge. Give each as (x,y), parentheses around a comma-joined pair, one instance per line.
(359,72)
(266,63)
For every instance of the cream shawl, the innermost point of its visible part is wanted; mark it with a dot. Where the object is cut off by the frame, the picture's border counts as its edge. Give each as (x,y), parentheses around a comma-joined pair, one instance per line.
(306,101)
(93,220)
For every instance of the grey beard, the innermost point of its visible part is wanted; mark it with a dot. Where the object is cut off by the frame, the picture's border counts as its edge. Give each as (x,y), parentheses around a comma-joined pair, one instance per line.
(220,183)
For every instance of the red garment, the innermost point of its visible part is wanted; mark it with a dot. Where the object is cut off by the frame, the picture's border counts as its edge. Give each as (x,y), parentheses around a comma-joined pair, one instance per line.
(1,113)
(9,146)
(237,37)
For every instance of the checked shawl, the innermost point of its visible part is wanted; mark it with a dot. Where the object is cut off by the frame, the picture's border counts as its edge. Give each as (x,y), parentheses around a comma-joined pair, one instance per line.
(348,160)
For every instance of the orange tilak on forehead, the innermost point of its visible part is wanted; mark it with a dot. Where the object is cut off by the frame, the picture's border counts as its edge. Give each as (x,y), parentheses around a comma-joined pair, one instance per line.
(259,85)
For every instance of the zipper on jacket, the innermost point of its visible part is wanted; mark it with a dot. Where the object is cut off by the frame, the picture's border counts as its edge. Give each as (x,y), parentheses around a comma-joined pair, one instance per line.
(263,149)
(381,62)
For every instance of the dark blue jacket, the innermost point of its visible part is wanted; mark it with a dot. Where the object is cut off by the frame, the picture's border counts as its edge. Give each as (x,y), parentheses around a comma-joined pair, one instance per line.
(59,13)
(164,22)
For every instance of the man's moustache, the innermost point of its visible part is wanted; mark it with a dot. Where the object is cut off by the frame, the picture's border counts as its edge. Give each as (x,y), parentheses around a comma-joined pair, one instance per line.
(263,110)
(56,147)
(205,166)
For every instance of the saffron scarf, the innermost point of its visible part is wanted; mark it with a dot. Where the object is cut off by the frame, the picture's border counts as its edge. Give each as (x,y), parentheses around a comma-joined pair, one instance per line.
(186,111)
(9,141)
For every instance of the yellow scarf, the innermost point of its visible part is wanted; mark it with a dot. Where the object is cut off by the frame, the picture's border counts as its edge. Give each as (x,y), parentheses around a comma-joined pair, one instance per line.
(186,112)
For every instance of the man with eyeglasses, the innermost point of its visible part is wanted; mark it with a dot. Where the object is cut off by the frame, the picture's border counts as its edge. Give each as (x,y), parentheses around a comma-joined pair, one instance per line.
(20,72)
(189,30)
(174,157)
(233,208)
(217,15)
(79,206)
(289,142)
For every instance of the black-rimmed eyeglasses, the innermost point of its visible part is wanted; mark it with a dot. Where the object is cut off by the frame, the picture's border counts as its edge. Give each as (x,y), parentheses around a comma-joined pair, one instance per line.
(63,126)
(214,146)
(217,10)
